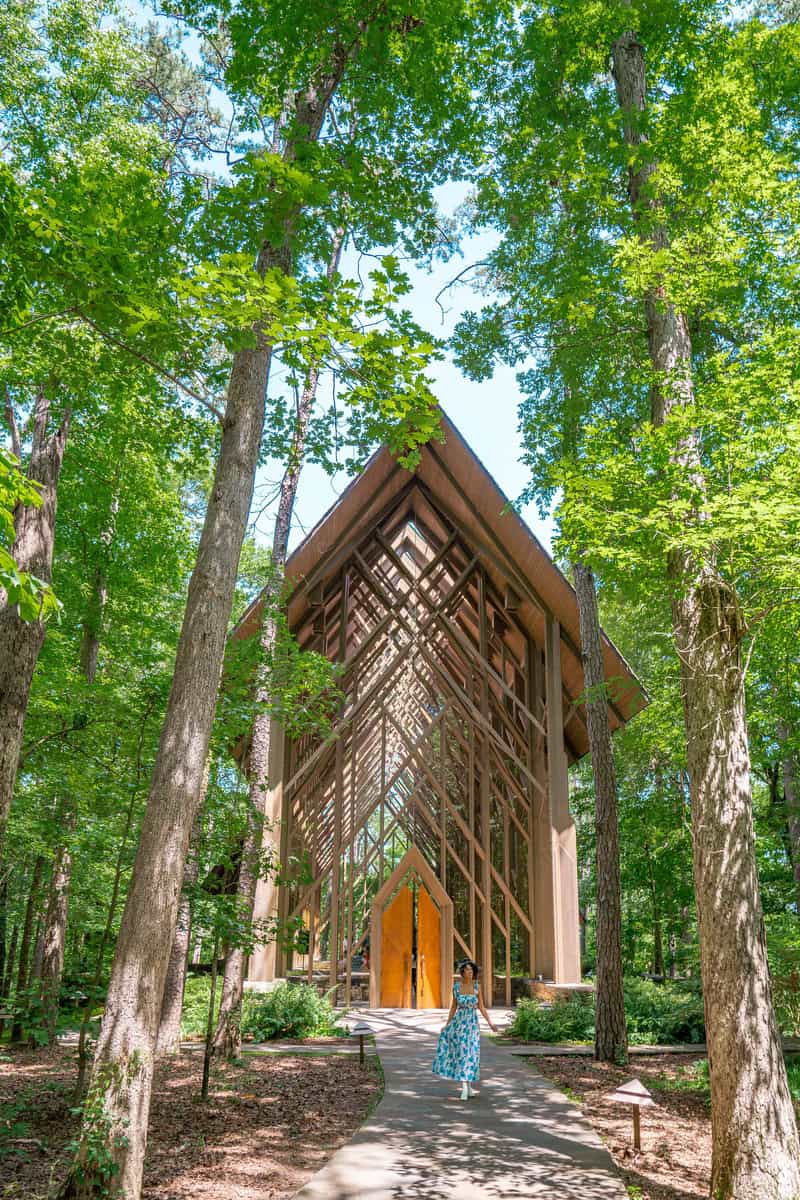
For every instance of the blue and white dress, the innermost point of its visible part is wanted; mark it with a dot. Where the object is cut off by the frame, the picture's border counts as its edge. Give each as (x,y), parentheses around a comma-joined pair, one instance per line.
(458,1054)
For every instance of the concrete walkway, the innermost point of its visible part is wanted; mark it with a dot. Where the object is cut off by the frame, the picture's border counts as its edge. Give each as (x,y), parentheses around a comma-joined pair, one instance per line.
(519,1137)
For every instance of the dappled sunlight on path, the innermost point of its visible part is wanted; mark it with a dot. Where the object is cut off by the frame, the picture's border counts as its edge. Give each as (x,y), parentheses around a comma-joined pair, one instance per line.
(519,1137)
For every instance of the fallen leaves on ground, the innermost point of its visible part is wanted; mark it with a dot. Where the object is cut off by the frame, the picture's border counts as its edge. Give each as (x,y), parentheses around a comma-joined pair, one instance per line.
(270,1122)
(675,1160)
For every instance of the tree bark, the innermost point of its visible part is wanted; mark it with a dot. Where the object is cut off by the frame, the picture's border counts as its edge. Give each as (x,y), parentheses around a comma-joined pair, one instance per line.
(114,1131)
(169,1029)
(228,1035)
(55,931)
(611,1036)
(21,641)
(755,1149)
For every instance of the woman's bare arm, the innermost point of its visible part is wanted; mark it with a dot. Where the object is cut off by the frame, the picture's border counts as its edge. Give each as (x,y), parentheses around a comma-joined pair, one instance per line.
(452,1012)
(484,1013)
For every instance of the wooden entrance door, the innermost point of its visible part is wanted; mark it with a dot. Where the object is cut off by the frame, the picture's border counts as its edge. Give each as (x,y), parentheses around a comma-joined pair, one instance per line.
(429,952)
(392,931)
(398,931)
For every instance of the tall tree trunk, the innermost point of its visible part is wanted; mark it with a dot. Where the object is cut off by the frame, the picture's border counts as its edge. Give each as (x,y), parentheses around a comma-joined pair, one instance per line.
(611,1035)
(658,943)
(3,926)
(89,654)
(35,972)
(755,1149)
(55,931)
(112,909)
(114,1131)
(11,959)
(228,1036)
(791,799)
(25,944)
(21,641)
(169,1028)
(197,949)
(95,613)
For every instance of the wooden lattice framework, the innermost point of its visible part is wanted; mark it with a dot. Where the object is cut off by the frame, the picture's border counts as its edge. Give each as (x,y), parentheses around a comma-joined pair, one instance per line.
(461,671)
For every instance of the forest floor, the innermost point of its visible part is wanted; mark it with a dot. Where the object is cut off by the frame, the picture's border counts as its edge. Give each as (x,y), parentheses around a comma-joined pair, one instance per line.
(675,1160)
(269,1124)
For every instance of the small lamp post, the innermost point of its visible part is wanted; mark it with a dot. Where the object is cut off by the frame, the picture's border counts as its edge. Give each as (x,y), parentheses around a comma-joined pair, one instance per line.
(361,1030)
(637,1095)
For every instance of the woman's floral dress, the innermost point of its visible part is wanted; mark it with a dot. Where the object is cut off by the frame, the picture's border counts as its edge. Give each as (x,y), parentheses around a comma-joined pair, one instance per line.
(458,1054)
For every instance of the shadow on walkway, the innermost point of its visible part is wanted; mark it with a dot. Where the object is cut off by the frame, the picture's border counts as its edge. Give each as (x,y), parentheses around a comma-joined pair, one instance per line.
(518,1137)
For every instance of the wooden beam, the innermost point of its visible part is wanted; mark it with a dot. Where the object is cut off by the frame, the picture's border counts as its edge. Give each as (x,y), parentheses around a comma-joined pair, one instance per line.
(486,834)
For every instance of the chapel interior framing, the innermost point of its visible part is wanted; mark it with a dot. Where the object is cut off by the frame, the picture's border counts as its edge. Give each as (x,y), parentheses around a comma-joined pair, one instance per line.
(447,770)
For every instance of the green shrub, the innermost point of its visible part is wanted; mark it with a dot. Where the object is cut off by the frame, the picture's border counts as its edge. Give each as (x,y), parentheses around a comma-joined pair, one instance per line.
(664,1014)
(657,1014)
(787,1004)
(293,1010)
(568,1020)
(793,1072)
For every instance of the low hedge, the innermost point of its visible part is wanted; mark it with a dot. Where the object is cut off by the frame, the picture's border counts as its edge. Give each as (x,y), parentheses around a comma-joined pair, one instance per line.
(657,1014)
(290,1010)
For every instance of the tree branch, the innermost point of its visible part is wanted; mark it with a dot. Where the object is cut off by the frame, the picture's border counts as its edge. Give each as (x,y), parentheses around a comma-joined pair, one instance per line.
(62,312)
(149,362)
(472,267)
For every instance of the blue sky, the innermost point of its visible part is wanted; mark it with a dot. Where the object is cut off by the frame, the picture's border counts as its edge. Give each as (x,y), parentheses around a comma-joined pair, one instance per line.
(485,413)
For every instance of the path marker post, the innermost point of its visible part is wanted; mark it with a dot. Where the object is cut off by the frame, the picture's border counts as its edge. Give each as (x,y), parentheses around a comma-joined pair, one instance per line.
(636,1094)
(361,1030)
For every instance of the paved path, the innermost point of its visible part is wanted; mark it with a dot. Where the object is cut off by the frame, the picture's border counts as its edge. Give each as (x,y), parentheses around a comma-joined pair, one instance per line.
(518,1138)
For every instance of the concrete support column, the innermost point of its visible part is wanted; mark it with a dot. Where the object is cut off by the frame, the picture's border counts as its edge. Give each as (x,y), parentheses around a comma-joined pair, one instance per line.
(544,909)
(558,860)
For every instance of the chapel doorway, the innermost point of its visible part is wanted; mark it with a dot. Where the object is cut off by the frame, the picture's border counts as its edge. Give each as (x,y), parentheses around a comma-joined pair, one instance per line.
(412,936)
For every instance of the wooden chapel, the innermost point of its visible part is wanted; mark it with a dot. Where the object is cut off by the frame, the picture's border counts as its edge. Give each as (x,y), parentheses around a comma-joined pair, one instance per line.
(435,822)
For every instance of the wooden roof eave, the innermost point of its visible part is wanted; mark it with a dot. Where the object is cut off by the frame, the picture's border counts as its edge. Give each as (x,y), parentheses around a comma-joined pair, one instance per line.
(457,490)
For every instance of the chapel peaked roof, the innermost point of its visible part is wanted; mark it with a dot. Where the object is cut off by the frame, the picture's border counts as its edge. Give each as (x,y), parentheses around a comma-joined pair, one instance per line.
(452,477)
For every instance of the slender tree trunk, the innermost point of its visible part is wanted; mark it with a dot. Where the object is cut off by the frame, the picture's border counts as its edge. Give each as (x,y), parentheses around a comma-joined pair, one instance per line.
(114,1131)
(169,1029)
(55,931)
(93,621)
(112,910)
(658,944)
(3,927)
(791,799)
(755,1149)
(35,973)
(11,960)
(21,641)
(611,1036)
(209,1043)
(25,944)
(228,1036)
(90,650)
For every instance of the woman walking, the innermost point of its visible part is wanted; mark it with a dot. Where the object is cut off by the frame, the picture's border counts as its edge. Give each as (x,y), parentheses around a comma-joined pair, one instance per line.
(458,1054)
